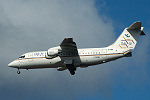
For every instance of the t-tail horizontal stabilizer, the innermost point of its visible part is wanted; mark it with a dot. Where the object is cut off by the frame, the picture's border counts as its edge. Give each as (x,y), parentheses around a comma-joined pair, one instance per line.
(136,26)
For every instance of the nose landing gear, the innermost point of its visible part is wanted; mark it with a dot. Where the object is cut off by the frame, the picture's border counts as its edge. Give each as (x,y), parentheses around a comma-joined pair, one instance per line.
(18,72)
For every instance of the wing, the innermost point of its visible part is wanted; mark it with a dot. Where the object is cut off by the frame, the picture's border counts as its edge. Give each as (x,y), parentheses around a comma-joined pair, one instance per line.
(69,49)
(68,46)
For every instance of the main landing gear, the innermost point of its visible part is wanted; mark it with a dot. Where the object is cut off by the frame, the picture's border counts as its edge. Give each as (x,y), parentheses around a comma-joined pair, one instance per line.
(18,71)
(71,68)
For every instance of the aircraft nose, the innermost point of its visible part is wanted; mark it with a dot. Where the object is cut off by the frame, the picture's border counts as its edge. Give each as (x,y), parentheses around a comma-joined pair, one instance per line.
(14,64)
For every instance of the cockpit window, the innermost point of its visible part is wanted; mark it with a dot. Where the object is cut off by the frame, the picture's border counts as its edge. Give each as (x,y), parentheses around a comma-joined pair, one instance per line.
(22,56)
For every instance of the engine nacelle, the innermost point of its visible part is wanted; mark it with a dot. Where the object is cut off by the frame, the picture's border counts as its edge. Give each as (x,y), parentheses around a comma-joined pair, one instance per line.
(52,52)
(61,68)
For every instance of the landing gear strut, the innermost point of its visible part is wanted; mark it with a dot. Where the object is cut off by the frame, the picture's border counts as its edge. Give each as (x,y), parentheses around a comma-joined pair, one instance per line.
(18,72)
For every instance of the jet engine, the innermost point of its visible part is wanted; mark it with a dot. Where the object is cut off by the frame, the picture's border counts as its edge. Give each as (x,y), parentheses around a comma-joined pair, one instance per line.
(61,68)
(53,52)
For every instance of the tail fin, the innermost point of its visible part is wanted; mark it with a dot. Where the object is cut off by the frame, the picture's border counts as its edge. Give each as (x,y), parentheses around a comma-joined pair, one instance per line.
(129,37)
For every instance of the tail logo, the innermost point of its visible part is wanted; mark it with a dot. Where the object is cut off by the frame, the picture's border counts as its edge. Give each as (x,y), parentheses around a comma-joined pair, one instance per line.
(127,35)
(127,43)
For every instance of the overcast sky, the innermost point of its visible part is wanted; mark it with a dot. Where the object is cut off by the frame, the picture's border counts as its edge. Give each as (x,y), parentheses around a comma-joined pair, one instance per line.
(35,25)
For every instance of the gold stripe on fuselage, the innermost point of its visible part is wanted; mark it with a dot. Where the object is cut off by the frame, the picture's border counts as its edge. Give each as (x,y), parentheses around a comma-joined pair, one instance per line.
(74,56)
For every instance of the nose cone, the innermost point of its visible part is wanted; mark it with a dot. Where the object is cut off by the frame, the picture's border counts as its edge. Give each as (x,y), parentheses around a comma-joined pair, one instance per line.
(14,64)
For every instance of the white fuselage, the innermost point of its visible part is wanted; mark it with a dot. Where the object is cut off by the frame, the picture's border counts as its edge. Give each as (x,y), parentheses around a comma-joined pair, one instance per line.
(67,56)
(84,58)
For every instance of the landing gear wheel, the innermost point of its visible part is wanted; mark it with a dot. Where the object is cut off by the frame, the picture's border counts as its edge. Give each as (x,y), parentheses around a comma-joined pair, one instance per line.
(71,68)
(18,72)
(72,72)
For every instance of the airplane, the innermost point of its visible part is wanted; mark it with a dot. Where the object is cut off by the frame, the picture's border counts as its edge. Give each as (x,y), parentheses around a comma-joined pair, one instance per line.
(67,56)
